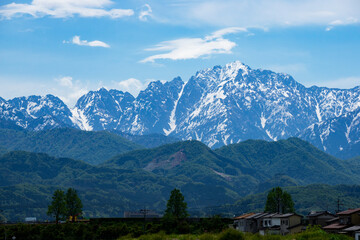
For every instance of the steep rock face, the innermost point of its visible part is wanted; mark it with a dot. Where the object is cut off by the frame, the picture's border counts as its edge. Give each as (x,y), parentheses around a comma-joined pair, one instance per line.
(223,105)
(218,106)
(36,112)
(235,103)
(102,109)
(338,136)
(151,111)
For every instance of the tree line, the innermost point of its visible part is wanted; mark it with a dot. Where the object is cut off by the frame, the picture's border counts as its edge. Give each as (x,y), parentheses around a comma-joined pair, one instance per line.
(65,205)
(68,205)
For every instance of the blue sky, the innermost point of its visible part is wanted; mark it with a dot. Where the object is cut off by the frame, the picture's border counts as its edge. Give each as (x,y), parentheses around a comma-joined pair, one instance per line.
(68,47)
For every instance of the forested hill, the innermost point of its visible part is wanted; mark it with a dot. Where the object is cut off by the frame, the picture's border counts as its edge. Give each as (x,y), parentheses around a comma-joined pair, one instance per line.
(257,160)
(293,157)
(218,106)
(91,147)
(314,197)
(146,176)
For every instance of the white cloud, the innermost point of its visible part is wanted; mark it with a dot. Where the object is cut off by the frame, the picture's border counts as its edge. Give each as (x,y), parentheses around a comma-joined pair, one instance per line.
(191,48)
(65,81)
(132,85)
(76,40)
(345,22)
(258,13)
(68,90)
(64,9)
(145,13)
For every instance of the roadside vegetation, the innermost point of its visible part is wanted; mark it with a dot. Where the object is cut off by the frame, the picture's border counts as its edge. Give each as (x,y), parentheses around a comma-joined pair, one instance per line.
(122,231)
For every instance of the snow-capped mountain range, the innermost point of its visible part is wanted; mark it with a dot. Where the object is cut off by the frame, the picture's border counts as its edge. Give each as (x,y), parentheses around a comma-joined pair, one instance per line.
(218,106)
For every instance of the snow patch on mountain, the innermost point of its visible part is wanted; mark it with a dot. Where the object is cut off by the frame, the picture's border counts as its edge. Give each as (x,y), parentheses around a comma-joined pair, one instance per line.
(219,105)
(318,114)
(172,122)
(80,120)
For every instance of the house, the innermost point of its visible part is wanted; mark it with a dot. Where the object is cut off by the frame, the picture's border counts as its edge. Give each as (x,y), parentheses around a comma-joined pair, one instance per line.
(254,222)
(335,227)
(350,217)
(281,224)
(259,220)
(270,225)
(320,218)
(241,224)
(250,222)
(357,235)
(352,230)
(290,223)
(346,219)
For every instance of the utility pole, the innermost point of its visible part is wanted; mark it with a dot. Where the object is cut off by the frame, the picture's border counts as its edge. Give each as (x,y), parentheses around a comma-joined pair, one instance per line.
(338,205)
(144,212)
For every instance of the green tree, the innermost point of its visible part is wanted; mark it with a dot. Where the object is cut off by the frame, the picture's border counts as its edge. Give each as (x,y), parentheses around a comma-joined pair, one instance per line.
(73,204)
(57,208)
(279,201)
(176,207)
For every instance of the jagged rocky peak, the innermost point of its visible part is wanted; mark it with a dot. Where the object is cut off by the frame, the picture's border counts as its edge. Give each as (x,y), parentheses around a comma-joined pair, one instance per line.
(37,106)
(219,73)
(161,90)
(101,109)
(36,112)
(121,96)
(103,98)
(177,82)
(218,105)
(91,97)
(2,101)
(233,68)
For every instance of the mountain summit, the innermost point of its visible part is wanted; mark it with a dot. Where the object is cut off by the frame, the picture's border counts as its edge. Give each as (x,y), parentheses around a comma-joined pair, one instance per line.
(218,106)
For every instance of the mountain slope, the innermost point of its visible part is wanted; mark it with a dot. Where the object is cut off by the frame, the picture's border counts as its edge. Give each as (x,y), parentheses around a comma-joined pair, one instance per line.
(218,106)
(292,157)
(338,136)
(91,147)
(314,197)
(145,177)
(102,109)
(148,140)
(189,161)
(104,191)
(36,112)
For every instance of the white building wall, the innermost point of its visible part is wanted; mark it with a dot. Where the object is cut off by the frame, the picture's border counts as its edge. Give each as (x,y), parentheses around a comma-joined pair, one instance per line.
(275,222)
(357,236)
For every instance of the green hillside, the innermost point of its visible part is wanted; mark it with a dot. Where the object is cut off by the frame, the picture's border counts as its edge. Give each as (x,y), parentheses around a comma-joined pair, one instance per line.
(314,197)
(148,140)
(292,157)
(32,177)
(2,150)
(145,177)
(91,147)
(190,161)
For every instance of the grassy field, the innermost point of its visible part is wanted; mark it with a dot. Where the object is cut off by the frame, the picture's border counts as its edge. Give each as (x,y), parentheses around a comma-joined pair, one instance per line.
(103,231)
(231,234)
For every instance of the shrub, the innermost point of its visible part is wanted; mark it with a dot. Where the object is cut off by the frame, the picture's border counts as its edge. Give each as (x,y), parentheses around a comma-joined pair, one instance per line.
(207,236)
(158,236)
(231,234)
(256,236)
(272,237)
